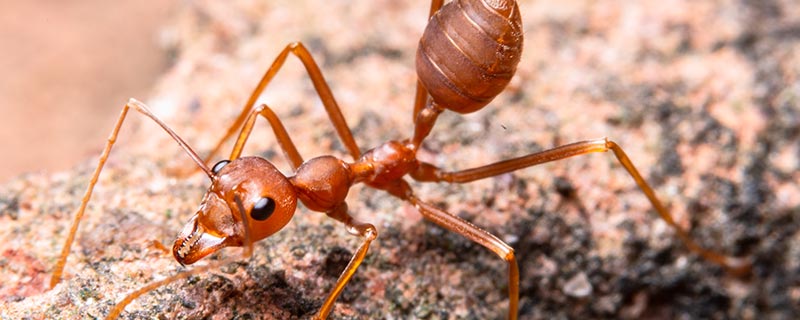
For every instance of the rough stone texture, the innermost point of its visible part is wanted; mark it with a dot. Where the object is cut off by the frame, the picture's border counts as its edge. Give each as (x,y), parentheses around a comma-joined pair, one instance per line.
(702,95)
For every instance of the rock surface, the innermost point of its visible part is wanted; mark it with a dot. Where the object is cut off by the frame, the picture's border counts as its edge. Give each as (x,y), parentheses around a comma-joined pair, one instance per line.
(702,95)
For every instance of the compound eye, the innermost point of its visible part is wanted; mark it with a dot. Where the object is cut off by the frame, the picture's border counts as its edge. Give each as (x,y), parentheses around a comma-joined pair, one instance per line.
(263,209)
(217,167)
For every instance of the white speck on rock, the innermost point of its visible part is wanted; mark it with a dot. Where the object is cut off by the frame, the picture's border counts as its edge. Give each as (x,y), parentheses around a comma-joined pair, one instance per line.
(578,286)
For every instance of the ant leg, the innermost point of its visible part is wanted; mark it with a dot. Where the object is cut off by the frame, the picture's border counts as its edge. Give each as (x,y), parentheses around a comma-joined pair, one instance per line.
(120,306)
(477,235)
(424,122)
(428,172)
(420,99)
(141,108)
(421,95)
(364,230)
(324,92)
(246,253)
(157,245)
(284,140)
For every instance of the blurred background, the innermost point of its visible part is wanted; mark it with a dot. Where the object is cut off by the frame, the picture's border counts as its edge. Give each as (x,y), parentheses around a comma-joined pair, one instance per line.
(67,68)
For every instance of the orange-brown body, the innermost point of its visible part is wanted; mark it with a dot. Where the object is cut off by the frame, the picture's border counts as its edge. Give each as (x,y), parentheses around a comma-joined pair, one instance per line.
(469,52)
(322,183)
(467,55)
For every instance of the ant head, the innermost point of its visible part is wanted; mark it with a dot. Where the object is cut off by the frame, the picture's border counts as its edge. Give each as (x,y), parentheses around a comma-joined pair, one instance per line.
(267,197)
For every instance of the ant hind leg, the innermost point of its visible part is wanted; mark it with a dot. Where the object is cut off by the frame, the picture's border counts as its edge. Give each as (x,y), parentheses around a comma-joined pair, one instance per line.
(427,172)
(421,95)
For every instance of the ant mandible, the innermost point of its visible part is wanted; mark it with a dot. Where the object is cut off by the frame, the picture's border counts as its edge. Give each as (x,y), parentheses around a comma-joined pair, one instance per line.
(467,55)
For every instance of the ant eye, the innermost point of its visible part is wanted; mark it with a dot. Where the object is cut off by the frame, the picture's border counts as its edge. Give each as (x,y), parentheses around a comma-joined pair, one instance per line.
(262,209)
(217,167)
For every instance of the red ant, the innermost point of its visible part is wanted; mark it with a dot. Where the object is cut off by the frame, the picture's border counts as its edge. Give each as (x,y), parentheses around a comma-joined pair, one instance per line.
(467,55)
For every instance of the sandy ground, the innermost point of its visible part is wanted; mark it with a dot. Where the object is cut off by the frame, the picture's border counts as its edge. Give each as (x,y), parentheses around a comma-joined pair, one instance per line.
(702,95)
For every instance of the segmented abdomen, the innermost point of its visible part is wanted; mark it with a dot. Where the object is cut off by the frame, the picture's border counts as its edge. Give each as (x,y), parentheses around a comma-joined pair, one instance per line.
(469,52)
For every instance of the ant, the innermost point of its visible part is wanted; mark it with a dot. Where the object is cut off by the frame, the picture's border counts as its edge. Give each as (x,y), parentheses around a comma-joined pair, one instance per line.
(467,55)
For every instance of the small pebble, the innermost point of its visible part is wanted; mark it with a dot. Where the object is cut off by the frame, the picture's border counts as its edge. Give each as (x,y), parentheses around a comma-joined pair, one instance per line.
(578,286)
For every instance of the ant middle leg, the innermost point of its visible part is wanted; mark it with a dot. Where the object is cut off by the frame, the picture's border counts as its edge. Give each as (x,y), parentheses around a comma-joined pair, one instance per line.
(324,92)
(475,234)
(428,172)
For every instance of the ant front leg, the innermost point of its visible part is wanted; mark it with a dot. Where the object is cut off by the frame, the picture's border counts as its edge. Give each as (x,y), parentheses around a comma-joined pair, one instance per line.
(112,138)
(428,172)
(289,149)
(364,230)
(324,92)
(247,252)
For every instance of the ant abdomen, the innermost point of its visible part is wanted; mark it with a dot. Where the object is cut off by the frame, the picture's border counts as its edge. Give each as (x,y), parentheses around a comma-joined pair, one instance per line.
(469,52)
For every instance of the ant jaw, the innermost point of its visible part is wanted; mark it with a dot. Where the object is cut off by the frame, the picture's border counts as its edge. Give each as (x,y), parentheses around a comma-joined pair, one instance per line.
(194,243)
(218,222)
